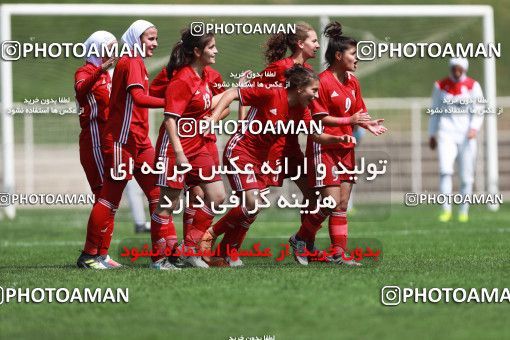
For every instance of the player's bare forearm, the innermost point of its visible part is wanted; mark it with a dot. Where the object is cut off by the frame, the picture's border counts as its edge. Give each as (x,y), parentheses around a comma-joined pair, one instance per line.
(215,101)
(241,113)
(326,138)
(327,120)
(228,97)
(225,113)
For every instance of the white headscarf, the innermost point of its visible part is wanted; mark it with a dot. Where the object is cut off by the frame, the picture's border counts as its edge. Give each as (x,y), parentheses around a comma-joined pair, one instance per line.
(462,62)
(98,39)
(132,36)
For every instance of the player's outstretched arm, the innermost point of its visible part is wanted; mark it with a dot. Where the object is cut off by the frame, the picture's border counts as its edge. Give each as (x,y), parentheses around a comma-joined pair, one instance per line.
(374,126)
(227,98)
(85,83)
(142,100)
(357,118)
(215,101)
(326,138)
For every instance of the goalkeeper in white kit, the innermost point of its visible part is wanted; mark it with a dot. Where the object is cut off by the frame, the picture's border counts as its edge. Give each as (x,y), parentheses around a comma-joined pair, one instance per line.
(456,117)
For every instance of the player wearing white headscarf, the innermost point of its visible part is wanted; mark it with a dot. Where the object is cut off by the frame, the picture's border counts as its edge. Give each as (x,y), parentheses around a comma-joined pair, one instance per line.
(92,84)
(126,142)
(457,116)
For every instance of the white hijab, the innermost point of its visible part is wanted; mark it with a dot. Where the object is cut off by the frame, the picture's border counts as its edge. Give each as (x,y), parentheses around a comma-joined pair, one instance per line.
(462,62)
(132,36)
(98,39)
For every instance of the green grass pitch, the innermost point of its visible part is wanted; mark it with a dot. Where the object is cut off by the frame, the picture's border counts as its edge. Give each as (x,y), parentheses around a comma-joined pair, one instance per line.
(320,301)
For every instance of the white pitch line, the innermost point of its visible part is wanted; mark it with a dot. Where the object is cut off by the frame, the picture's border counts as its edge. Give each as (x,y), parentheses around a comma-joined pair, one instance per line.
(368,234)
(48,244)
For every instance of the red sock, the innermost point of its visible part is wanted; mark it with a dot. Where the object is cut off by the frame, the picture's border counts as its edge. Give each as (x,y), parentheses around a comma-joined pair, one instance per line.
(107,239)
(231,218)
(98,226)
(201,221)
(159,234)
(338,231)
(235,237)
(311,225)
(187,219)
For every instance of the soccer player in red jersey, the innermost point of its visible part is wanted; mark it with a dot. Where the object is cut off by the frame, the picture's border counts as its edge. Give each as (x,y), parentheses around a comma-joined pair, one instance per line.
(339,107)
(303,45)
(92,85)
(252,150)
(189,98)
(127,148)
(215,83)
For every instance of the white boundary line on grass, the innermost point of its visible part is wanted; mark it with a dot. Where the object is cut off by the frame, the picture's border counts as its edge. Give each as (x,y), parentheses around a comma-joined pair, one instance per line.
(368,234)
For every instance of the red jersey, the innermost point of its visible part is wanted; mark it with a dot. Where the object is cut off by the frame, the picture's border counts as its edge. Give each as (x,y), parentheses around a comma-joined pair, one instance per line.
(338,100)
(275,72)
(456,88)
(188,96)
(159,84)
(128,123)
(214,79)
(94,102)
(161,81)
(266,105)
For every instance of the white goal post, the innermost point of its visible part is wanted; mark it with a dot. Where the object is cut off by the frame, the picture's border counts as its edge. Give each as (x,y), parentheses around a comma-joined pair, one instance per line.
(319,11)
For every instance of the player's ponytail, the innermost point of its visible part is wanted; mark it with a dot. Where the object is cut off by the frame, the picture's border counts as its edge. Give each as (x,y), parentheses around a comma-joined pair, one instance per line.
(299,76)
(277,44)
(276,47)
(183,51)
(336,41)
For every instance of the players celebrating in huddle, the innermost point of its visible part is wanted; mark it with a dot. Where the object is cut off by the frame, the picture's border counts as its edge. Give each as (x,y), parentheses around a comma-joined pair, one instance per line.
(339,107)
(189,95)
(189,88)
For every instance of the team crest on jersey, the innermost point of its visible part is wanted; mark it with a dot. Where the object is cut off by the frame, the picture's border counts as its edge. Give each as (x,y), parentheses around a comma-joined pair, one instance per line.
(334,94)
(274,111)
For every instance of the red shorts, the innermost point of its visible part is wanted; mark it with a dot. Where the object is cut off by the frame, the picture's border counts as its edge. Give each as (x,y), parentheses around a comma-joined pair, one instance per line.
(330,159)
(202,165)
(242,182)
(286,147)
(210,145)
(128,158)
(92,161)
